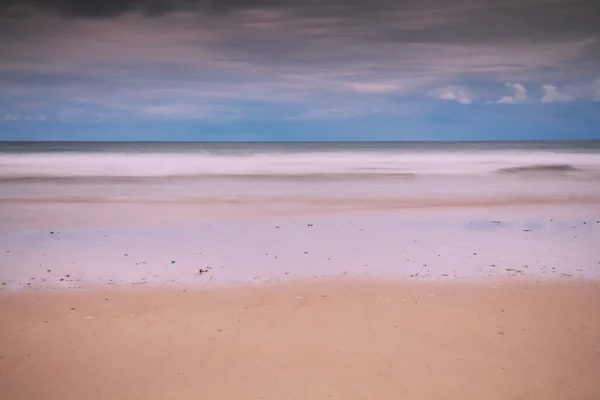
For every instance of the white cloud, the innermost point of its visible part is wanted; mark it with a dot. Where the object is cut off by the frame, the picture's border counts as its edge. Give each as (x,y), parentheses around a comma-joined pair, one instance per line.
(552,95)
(11,117)
(17,117)
(452,93)
(41,117)
(519,94)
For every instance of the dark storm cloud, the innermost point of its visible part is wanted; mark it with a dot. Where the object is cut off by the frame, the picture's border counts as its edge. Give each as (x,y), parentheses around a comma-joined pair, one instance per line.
(92,9)
(480,20)
(332,57)
(110,8)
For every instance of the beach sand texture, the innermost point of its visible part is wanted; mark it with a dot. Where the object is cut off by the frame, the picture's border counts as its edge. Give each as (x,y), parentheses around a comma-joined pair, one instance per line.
(322,339)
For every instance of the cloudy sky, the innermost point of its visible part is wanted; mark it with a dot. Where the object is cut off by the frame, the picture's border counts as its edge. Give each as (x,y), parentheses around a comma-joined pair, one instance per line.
(299,70)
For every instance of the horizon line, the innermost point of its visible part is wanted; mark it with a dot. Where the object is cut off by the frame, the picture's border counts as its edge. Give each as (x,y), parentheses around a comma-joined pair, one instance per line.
(302,141)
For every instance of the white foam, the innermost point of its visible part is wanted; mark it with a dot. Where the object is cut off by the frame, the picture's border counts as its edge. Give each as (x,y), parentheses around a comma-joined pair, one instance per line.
(146,165)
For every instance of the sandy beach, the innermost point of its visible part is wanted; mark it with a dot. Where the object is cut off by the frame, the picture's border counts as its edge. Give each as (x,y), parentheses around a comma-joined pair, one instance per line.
(429,303)
(311,200)
(450,303)
(264,276)
(321,339)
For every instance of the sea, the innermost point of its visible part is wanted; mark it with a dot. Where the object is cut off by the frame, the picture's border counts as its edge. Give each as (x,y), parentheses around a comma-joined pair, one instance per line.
(344,174)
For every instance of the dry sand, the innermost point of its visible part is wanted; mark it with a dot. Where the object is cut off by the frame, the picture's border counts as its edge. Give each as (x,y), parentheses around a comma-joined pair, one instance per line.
(319,339)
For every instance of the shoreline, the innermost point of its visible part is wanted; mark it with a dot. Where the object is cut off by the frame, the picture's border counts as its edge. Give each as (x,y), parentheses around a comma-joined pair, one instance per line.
(444,244)
(335,280)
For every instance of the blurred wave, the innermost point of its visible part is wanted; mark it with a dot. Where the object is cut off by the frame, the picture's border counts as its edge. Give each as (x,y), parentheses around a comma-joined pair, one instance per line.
(266,173)
(297,165)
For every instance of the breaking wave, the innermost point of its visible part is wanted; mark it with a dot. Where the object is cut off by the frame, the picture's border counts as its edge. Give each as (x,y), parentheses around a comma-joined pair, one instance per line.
(356,164)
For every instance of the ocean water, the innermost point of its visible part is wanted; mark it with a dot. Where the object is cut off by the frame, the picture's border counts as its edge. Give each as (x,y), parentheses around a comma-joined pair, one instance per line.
(377,173)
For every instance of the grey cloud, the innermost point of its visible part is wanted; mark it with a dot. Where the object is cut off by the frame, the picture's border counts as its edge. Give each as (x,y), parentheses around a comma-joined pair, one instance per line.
(83,8)
(197,57)
(406,20)
(110,8)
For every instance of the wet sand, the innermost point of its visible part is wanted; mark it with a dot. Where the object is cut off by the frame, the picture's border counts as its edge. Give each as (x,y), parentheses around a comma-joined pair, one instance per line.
(88,249)
(315,339)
